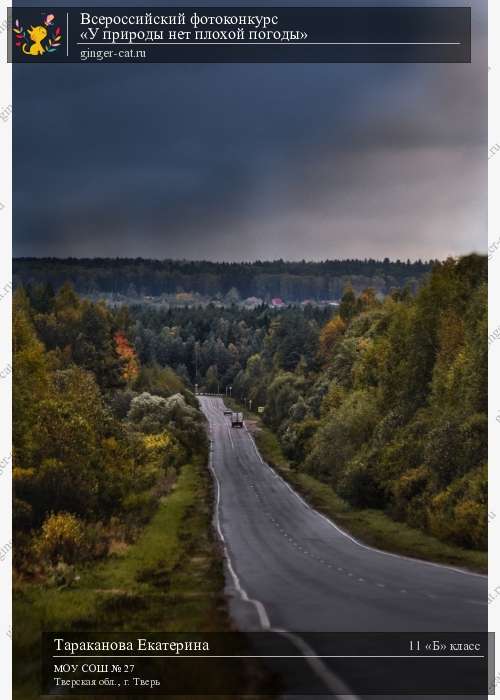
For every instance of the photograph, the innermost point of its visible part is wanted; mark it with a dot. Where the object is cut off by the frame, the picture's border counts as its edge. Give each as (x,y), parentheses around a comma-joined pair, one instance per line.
(250,340)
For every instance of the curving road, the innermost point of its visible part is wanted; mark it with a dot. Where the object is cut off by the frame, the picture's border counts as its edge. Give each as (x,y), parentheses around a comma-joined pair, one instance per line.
(301,573)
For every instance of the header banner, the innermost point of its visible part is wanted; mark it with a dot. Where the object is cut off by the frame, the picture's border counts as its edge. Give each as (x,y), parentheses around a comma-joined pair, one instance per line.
(240,35)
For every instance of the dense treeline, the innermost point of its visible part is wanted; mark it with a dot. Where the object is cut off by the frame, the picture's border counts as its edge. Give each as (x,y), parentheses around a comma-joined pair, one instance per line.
(292,281)
(98,437)
(396,416)
(209,346)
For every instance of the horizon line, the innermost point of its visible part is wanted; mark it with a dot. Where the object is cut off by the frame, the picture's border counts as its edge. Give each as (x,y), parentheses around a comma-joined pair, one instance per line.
(383,261)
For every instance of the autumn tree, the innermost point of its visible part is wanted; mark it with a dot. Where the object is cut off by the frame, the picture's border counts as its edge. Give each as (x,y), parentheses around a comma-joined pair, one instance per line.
(329,336)
(128,356)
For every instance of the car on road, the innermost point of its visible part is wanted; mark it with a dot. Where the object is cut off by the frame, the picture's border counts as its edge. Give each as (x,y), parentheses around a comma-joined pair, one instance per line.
(228,412)
(236,420)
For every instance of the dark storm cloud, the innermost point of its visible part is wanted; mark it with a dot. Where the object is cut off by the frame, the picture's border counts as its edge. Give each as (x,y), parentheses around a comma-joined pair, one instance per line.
(251,161)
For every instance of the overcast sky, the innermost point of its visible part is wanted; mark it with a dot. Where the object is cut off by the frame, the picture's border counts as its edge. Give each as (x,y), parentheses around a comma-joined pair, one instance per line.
(244,162)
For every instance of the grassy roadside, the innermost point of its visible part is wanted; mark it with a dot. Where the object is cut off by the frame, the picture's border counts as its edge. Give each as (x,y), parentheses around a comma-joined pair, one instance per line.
(371,526)
(170,580)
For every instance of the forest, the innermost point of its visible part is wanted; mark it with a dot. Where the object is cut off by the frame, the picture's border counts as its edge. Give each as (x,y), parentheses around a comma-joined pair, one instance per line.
(89,466)
(388,403)
(292,281)
(383,399)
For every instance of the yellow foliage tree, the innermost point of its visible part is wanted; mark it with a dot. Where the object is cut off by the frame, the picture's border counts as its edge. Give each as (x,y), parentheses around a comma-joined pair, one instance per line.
(330,335)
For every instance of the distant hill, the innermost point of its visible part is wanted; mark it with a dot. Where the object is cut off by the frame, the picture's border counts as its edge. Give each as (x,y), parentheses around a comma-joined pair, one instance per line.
(290,281)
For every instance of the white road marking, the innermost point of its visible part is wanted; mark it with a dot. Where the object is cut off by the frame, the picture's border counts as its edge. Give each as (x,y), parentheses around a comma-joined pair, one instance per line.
(334,684)
(332,524)
(453,569)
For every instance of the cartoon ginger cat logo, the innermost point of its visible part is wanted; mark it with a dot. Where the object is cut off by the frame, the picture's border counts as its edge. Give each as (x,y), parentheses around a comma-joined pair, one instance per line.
(39,39)
(37,35)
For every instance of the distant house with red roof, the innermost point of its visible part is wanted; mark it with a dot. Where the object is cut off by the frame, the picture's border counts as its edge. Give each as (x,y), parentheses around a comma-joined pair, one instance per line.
(277,303)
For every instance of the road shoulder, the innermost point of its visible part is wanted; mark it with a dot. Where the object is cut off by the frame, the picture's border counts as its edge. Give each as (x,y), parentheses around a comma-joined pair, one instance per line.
(372,527)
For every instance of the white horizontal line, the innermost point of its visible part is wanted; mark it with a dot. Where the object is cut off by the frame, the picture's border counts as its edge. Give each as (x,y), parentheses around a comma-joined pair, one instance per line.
(271,656)
(270,43)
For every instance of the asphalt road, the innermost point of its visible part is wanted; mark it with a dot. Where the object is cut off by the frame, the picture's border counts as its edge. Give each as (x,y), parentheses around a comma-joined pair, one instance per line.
(291,568)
